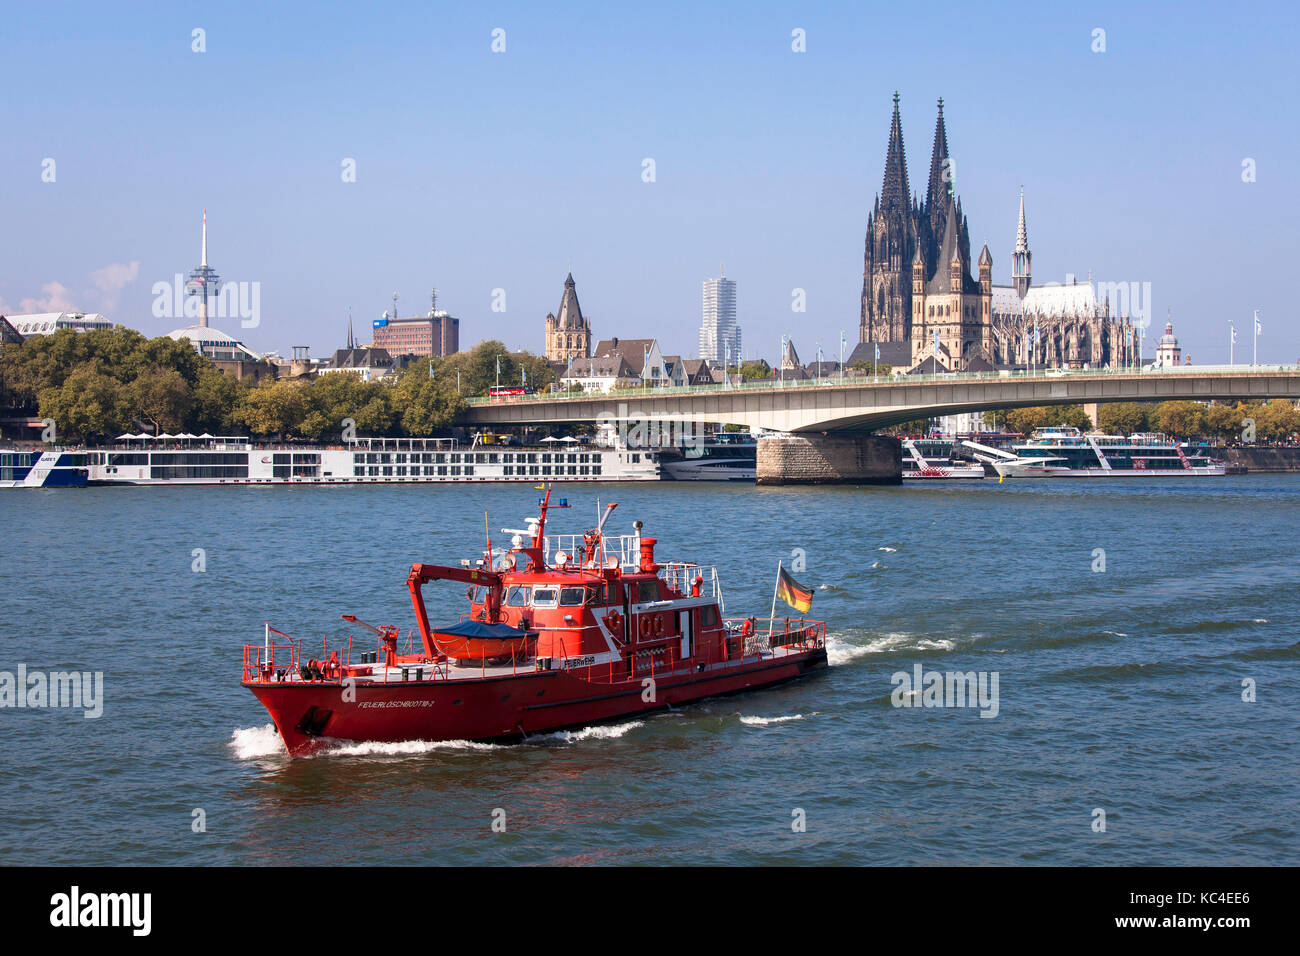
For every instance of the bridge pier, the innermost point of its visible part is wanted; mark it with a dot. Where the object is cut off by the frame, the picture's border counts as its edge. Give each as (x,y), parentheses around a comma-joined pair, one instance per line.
(816,459)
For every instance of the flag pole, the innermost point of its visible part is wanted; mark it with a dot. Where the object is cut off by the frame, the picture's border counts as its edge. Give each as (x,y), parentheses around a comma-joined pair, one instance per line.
(772,617)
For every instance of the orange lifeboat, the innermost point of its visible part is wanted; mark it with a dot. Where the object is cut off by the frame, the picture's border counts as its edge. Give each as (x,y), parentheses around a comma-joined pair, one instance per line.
(478,641)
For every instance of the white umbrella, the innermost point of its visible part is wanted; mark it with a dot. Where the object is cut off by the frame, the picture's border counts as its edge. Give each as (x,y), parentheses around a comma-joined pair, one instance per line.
(207,435)
(550,438)
(121,437)
(165,435)
(143,435)
(568,438)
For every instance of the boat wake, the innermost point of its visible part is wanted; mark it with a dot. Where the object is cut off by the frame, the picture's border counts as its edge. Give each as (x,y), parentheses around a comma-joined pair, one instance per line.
(840,651)
(249,743)
(600,732)
(764,721)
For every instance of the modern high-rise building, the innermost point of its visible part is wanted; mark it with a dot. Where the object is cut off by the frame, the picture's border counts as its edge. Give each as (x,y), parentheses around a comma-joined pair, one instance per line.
(719,333)
(435,334)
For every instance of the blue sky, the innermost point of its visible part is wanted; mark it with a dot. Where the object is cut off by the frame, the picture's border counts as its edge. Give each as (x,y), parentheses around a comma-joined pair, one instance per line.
(479,171)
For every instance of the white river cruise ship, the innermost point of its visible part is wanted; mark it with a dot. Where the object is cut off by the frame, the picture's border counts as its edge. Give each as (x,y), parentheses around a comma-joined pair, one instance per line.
(217,460)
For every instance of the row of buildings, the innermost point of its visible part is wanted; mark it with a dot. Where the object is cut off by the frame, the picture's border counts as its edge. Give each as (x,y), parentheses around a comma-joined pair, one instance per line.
(926,306)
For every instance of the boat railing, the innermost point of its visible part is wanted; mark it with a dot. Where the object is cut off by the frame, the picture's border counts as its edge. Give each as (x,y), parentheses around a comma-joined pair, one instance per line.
(680,576)
(265,662)
(663,658)
(626,547)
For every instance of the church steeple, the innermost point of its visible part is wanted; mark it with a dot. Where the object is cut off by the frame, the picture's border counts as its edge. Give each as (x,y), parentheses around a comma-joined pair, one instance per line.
(940,187)
(1020,259)
(895,194)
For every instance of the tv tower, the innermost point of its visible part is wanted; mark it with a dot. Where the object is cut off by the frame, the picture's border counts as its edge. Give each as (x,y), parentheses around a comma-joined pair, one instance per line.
(204,281)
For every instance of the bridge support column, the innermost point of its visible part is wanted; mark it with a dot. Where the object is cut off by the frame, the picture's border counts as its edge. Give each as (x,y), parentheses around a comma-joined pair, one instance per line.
(814,459)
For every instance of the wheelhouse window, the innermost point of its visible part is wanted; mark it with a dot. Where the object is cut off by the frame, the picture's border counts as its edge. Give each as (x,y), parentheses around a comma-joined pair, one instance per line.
(572,597)
(545,597)
(518,596)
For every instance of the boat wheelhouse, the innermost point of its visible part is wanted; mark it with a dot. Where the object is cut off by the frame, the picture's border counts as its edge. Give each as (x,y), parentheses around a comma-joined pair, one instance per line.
(558,631)
(33,468)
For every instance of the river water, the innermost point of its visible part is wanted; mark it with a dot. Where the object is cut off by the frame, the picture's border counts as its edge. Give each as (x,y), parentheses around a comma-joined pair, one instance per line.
(1118,690)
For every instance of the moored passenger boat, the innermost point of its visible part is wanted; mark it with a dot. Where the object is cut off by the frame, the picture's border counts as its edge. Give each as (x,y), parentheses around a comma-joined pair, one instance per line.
(560,631)
(34,468)
(1065,452)
(218,460)
(936,458)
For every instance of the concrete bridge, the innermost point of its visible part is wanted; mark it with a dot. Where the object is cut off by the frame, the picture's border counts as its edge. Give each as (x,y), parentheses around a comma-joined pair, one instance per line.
(835,415)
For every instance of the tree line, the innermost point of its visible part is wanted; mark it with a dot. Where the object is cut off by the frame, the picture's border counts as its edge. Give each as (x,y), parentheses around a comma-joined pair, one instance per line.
(1275,421)
(96,385)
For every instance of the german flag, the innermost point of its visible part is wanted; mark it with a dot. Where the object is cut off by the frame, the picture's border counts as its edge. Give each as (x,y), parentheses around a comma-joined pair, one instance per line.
(793,593)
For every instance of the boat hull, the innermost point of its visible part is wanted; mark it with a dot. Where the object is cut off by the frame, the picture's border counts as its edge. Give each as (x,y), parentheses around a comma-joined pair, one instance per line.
(316,716)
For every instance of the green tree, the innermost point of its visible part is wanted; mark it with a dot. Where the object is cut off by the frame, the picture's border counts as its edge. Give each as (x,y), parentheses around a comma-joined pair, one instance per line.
(1025,420)
(1181,419)
(478,368)
(755,370)
(88,405)
(425,404)
(1223,421)
(161,397)
(214,399)
(1123,418)
(1278,420)
(274,408)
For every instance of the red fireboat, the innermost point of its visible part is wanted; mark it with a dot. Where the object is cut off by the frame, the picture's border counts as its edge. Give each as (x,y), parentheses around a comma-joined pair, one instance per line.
(561,632)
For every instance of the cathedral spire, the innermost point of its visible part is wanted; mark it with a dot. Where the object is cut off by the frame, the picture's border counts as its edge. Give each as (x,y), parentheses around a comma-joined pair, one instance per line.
(1022,236)
(1022,257)
(940,165)
(894,194)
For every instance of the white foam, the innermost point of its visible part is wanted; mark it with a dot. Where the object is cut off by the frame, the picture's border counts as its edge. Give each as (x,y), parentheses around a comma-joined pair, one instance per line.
(887,550)
(601,732)
(249,743)
(1259,620)
(764,721)
(401,748)
(839,651)
(1115,633)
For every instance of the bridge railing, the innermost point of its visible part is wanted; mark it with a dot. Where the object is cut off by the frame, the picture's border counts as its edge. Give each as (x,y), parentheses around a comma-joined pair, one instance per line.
(902,378)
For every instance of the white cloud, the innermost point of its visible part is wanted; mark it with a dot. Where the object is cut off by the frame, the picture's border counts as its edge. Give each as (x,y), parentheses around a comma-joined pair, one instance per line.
(103,296)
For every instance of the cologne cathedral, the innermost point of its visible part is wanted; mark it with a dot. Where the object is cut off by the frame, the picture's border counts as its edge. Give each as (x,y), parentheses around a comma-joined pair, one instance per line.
(921,299)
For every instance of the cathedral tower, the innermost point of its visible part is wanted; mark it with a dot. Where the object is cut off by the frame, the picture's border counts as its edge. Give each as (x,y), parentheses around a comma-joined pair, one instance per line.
(886,313)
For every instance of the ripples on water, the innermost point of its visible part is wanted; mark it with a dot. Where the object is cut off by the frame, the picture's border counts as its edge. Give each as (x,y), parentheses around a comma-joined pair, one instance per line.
(1119,690)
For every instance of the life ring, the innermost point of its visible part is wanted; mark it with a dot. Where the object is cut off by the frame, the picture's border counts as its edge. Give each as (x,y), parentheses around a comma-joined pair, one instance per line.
(658,626)
(646,626)
(748,629)
(615,622)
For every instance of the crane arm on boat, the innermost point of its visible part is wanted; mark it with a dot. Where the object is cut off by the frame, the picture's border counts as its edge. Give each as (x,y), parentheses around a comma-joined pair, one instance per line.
(423,573)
